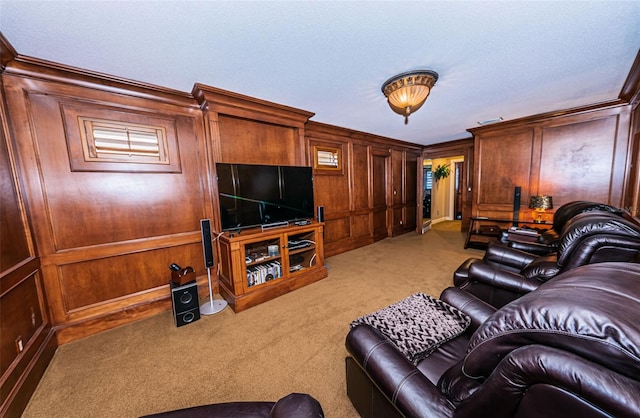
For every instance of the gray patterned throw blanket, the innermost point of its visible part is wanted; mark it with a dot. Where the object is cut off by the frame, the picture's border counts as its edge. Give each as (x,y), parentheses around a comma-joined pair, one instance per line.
(417,325)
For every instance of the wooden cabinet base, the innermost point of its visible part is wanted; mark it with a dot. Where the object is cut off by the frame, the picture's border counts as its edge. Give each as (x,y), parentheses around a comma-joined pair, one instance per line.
(278,288)
(257,266)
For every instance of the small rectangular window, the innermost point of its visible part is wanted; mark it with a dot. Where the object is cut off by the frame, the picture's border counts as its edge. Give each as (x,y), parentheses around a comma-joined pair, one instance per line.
(110,141)
(327,158)
(104,139)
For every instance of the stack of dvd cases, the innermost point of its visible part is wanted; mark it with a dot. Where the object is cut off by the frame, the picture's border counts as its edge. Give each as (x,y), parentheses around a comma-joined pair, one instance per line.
(263,273)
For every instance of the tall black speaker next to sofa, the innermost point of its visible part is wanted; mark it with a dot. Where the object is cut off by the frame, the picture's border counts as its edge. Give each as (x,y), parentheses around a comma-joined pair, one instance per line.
(517,192)
(186,306)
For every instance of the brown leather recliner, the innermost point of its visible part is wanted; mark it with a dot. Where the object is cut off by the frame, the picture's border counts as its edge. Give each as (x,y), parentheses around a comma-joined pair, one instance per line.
(294,405)
(588,238)
(569,349)
(549,240)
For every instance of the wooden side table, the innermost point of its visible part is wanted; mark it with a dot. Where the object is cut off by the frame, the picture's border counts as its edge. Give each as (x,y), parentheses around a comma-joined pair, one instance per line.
(482,229)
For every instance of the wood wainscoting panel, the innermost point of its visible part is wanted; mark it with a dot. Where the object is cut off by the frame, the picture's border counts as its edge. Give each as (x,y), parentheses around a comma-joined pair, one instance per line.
(397,177)
(27,340)
(94,281)
(332,192)
(362,214)
(361,180)
(337,229)
(361,198)
(106,235)
(577,154)
(569,166)
(379,169)
(631,92)
(503,161)
(410,193)
(255,142)
(14,245)
(404,190)
(21,319)
(243,129)
(632,187)
(112,206)
(361,226)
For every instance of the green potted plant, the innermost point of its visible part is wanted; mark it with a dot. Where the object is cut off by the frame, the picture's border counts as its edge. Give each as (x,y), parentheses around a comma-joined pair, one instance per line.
(441,172)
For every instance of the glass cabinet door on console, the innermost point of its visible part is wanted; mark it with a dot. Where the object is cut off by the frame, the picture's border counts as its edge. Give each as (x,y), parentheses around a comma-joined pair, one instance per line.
(301,249)
(256,265)
(263,261)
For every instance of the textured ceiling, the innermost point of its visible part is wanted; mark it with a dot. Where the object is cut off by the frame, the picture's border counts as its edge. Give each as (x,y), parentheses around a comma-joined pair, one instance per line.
(494,58)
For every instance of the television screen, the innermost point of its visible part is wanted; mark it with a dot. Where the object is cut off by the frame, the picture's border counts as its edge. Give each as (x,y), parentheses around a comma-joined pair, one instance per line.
(252,195)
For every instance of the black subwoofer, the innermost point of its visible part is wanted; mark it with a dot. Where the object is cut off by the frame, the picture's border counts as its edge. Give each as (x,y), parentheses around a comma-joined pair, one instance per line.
(186,305)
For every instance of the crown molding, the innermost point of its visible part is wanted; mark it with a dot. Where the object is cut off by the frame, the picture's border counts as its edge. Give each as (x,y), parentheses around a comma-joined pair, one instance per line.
(630,91)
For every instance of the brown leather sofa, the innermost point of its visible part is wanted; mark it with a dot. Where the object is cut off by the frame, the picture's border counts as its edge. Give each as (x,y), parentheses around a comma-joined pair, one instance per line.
(505,273)
(294,405)
(571,348)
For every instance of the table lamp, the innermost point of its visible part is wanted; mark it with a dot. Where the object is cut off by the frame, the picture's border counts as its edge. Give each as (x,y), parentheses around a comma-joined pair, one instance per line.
(540,204)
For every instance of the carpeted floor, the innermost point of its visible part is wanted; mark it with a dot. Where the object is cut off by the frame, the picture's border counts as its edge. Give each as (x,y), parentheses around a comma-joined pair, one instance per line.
(294,343)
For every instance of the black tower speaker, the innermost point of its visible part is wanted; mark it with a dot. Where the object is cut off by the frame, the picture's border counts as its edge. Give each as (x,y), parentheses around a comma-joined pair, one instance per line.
(516,204)
(207,245)
(320,213)
(186,306)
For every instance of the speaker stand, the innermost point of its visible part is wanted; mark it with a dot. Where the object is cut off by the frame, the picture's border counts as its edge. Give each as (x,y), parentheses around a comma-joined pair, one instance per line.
(213,306)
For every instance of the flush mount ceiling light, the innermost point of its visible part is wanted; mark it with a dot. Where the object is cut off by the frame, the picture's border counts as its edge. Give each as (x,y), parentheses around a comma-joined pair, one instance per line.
(408,91)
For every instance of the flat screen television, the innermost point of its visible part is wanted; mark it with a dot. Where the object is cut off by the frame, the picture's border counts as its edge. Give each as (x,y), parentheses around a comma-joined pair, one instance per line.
(252,195)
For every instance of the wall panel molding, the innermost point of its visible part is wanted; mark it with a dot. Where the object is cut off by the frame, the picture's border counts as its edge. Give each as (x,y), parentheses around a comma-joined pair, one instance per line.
(579,155)
(132,224)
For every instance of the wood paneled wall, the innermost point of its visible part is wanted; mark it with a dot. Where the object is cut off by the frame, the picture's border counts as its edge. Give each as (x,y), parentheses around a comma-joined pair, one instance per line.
(87,250)
(105,238)
(243,129)
(632,186)
(28,340)
(631,93)
(374,195)
(577,154)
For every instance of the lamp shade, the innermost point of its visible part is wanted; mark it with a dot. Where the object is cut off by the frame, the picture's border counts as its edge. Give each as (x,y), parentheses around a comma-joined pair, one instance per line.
(541,202)
(407,92)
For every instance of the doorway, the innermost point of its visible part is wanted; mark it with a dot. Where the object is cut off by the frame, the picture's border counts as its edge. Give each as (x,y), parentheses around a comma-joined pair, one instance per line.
(458,175)
(451,197)
(427,181)
(443,200)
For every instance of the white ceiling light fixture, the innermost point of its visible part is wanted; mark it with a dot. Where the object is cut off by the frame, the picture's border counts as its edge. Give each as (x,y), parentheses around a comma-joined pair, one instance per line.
(408,91)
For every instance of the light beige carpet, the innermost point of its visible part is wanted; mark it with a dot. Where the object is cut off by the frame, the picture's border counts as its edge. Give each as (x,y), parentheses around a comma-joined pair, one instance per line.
(294,343)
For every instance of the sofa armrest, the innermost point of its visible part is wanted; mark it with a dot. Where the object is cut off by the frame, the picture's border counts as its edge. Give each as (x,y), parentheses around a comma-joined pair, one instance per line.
(532,247)
(502,279)
(297,405)
(500,254)
(536,380)
(399,380)
(478,310)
